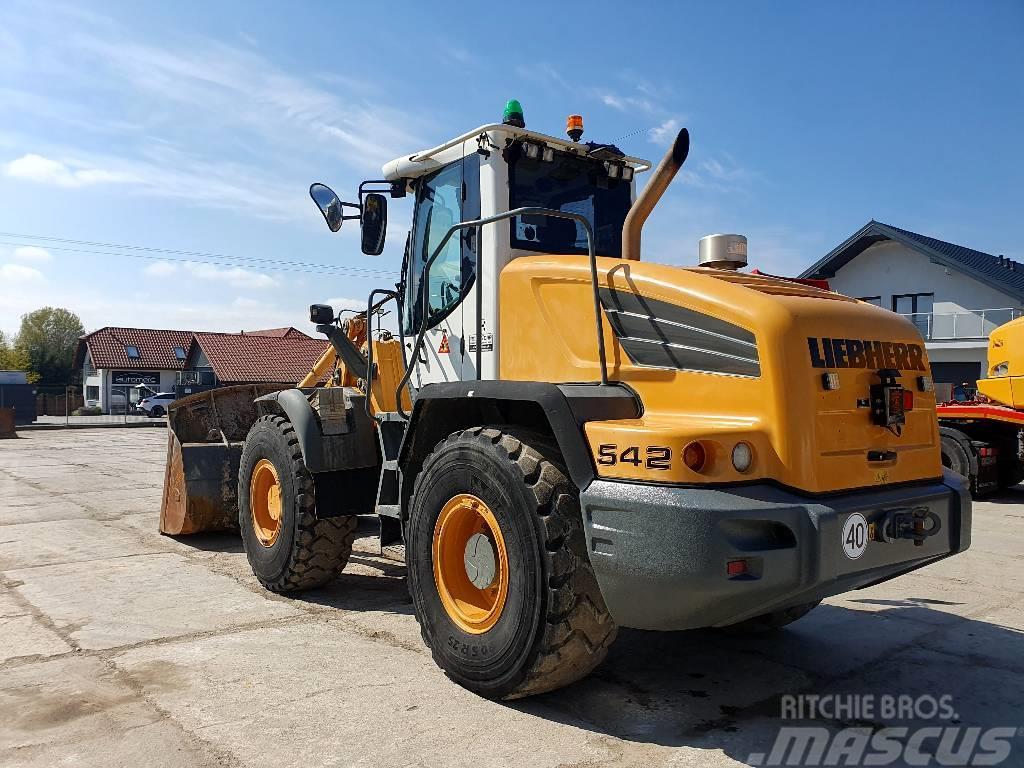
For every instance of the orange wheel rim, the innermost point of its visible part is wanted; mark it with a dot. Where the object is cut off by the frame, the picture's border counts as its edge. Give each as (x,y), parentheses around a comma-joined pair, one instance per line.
(265,502)
(470,563)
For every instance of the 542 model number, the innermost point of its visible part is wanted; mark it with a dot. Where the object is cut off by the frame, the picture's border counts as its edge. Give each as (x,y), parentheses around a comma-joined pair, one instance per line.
(655,456)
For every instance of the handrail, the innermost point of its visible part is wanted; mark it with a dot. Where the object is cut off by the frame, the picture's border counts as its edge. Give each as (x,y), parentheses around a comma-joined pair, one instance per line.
(965,324)
(479,223)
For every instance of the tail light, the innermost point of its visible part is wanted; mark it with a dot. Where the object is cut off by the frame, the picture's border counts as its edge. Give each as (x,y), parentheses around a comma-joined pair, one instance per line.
(908,399)
(888,400)
(694,456)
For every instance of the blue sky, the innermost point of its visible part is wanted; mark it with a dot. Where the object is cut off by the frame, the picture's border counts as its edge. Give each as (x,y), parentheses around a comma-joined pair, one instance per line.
(197,127)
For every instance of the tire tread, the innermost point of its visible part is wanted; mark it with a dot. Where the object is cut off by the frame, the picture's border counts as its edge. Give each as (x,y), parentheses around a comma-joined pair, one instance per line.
(320,547)
(577,629)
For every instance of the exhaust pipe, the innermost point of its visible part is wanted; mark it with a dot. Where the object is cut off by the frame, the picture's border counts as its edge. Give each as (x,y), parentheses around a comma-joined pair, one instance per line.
(641,209)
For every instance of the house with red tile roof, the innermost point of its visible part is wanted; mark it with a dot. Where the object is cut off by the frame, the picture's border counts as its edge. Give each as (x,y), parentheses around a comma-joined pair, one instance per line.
(257,357)
(122,365)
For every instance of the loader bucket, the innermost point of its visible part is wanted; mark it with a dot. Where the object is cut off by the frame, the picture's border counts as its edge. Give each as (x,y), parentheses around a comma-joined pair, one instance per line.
(205,435)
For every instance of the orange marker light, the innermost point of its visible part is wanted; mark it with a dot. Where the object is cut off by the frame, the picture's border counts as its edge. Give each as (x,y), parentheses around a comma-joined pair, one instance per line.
(574,127)
(694,456)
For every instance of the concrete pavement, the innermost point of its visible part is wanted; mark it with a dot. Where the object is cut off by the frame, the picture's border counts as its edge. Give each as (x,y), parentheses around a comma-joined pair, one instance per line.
(119,646)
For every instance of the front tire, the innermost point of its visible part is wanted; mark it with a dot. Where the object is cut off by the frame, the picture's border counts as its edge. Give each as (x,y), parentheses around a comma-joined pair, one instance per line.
(502,587)
(156,412)
(288,548)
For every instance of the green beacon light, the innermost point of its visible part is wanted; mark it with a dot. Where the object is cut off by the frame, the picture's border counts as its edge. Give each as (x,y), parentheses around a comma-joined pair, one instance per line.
(513,114)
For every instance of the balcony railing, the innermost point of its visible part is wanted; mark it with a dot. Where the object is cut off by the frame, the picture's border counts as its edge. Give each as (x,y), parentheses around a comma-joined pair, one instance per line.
(957,326)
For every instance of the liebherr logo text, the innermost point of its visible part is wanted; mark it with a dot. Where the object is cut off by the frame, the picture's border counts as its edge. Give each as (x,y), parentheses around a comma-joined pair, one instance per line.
(857,353)
(940,741)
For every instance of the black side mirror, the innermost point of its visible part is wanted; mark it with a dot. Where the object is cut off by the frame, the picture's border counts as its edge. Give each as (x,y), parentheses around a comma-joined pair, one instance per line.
(321,314)
(374,223)
(329,203)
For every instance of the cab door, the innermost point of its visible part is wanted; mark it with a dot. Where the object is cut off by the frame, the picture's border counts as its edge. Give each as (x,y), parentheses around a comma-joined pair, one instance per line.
(447,196)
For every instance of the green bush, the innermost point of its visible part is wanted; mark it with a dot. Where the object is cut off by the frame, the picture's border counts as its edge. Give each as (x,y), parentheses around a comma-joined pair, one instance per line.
(89,410)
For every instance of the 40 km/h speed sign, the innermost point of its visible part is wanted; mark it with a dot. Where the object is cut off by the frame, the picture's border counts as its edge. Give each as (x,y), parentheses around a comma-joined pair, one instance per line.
(855,536)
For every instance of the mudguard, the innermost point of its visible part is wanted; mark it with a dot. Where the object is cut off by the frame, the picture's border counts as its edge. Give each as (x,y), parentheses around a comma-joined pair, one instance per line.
(332,426)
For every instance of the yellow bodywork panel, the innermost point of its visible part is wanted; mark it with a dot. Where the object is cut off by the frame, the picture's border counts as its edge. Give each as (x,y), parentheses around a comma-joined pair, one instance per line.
(1006,347)
(387,358)
(800,434)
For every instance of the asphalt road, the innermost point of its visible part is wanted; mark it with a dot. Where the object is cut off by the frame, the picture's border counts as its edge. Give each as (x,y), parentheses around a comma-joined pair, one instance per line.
(121,647)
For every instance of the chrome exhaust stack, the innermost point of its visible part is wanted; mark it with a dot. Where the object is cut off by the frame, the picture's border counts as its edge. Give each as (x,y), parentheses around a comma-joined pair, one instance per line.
(641,209)
(722,251)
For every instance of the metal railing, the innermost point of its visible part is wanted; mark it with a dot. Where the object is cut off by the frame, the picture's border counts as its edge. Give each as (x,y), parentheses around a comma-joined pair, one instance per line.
(478,224)
(965,325)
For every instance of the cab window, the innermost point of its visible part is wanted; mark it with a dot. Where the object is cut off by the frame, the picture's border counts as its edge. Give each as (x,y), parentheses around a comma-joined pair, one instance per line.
(446,197)
(572,184)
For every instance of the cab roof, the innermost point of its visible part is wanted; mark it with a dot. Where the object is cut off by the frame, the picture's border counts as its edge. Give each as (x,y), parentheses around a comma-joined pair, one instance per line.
(420,163)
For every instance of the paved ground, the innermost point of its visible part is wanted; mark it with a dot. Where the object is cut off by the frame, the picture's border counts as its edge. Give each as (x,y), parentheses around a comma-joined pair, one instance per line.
(103,420)
(120,647)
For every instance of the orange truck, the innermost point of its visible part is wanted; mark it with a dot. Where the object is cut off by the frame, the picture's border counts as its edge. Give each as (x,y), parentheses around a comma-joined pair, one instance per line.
(983,439)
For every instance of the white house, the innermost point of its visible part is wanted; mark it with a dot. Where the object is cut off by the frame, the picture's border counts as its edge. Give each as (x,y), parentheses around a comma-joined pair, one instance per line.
(116,361)
(955,295)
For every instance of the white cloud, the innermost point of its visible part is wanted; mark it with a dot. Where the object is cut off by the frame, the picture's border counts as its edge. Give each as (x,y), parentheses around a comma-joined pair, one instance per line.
(205,122)
(45,170)
(19,273)
(665,132)
(727,171)
(235,276)
(339,303)
(628,103)
(459,55)
(160,269)
(31,253)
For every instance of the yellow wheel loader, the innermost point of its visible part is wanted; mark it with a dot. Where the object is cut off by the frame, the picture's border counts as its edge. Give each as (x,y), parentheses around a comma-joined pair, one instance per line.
(562,439)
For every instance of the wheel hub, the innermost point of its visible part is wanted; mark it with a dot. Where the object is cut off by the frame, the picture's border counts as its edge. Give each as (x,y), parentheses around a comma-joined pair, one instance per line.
(471,569)
(265,502)
(480,561)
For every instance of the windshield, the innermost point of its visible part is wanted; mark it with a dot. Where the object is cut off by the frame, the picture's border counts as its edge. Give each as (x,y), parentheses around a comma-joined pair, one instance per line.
(568,183)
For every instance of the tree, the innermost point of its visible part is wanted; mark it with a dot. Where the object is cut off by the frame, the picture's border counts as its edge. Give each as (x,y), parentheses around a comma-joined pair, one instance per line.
(13,360)
(48,338)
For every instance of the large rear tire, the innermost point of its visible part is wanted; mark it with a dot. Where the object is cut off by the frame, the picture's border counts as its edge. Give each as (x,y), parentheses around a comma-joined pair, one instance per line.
(288,548)
(502,587)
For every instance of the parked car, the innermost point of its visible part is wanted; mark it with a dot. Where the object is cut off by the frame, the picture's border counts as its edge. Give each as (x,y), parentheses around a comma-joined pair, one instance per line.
(156,405)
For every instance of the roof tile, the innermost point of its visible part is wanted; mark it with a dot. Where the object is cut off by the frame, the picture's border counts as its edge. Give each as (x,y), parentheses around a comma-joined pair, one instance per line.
(108,348)
(251,358)
(999,272)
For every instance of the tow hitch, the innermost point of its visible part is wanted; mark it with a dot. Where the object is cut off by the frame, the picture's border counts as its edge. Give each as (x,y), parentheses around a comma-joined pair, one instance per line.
(915,524)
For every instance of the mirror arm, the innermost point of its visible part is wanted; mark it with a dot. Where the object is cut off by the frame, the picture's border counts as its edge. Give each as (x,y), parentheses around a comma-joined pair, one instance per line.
(394,188)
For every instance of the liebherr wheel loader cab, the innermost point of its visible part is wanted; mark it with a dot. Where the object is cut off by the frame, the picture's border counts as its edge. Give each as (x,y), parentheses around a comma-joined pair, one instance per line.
(567,439)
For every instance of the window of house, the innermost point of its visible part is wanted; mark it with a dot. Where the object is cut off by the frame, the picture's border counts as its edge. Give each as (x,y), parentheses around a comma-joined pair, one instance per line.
(912,303)
(92,393)
(179,352)
(876,300)
(132,352)
(917,307)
